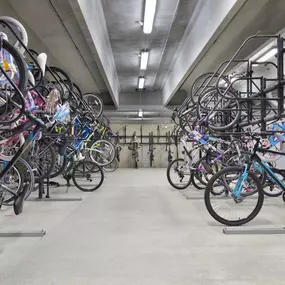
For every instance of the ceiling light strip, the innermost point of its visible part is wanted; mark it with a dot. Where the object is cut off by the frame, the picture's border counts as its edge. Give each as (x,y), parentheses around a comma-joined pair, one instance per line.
(140,114)
(144,60)
(149,12)
(141,82)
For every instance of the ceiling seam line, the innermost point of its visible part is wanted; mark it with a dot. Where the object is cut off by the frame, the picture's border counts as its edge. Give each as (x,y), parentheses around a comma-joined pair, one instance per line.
(166,41)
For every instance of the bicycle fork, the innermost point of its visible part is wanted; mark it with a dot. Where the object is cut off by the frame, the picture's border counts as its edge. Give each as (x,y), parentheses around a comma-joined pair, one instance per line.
(239,184)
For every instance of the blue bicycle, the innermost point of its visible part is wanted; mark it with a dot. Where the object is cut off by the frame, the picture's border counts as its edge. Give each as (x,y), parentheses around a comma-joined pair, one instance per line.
(277,127)
(243,190)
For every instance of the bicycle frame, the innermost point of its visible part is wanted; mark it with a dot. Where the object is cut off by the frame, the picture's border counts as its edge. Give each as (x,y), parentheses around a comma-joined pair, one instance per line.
(265,167)
(272,139)
(21,150)
(255,158)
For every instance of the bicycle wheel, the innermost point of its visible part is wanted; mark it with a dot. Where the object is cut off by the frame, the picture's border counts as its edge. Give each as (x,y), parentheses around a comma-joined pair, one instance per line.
(205,169)
(28,176)
(95,103)
(179,174)
(102,152)
(69,164)
(16,70)
(60,165)
(270,187)
(77,91)
(224,116)
(42,158)
(205,81)
(87,176)
(23,33)
(113,166)
(11,182)
(196,181)
(271,143)
(224,208)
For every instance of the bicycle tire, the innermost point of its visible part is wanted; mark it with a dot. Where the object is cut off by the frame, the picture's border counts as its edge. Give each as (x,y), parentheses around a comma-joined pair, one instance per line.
(57,171)
(95,158)
(214,168)
(77,91)
(63,78)
(23,77)
(193,180)
(80,186)
(205,76)
(169,178)
(42,175)
(19,188)
(69,164)
(21,29)
(98,102)
(113,166)
(251,216)
(66,78)
(213,126)
(273,184)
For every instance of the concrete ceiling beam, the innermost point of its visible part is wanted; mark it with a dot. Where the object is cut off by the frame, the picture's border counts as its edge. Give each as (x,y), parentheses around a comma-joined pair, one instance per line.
(90,16)
(208,21)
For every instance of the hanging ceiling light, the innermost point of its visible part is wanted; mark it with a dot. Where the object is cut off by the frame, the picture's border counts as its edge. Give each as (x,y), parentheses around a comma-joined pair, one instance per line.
(140,114)
(141,82)
(149,12)
(144,60)
(268,55)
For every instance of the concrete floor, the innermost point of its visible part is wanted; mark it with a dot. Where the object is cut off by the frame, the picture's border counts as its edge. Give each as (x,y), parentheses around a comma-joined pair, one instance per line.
(137,230)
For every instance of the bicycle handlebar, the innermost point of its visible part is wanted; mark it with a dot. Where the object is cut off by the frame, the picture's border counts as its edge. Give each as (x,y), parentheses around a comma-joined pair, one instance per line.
(36,120)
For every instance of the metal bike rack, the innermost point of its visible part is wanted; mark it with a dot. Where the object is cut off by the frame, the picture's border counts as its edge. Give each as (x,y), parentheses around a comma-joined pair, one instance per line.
(47,197)
(254,231)
(57,200)
(16,234)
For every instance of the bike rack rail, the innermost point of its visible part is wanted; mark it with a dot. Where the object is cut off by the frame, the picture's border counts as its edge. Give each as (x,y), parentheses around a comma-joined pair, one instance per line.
(253,231)
(255,90)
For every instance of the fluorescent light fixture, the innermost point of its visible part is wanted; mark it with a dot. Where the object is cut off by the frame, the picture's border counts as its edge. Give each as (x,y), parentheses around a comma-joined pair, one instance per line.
(141,82)
(149,13)
(268,55)
(140,113)
(144,60)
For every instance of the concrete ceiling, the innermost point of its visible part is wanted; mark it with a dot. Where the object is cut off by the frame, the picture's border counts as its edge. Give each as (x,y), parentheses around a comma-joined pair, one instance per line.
(128,40)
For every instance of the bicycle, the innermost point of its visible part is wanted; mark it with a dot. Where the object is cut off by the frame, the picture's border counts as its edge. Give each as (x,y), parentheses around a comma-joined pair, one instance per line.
(151,149)
(22,118)
(204,166)
(133,147)
(243,188)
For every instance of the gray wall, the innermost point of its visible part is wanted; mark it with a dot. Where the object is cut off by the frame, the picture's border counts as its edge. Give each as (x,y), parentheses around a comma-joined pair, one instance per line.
(160,154)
